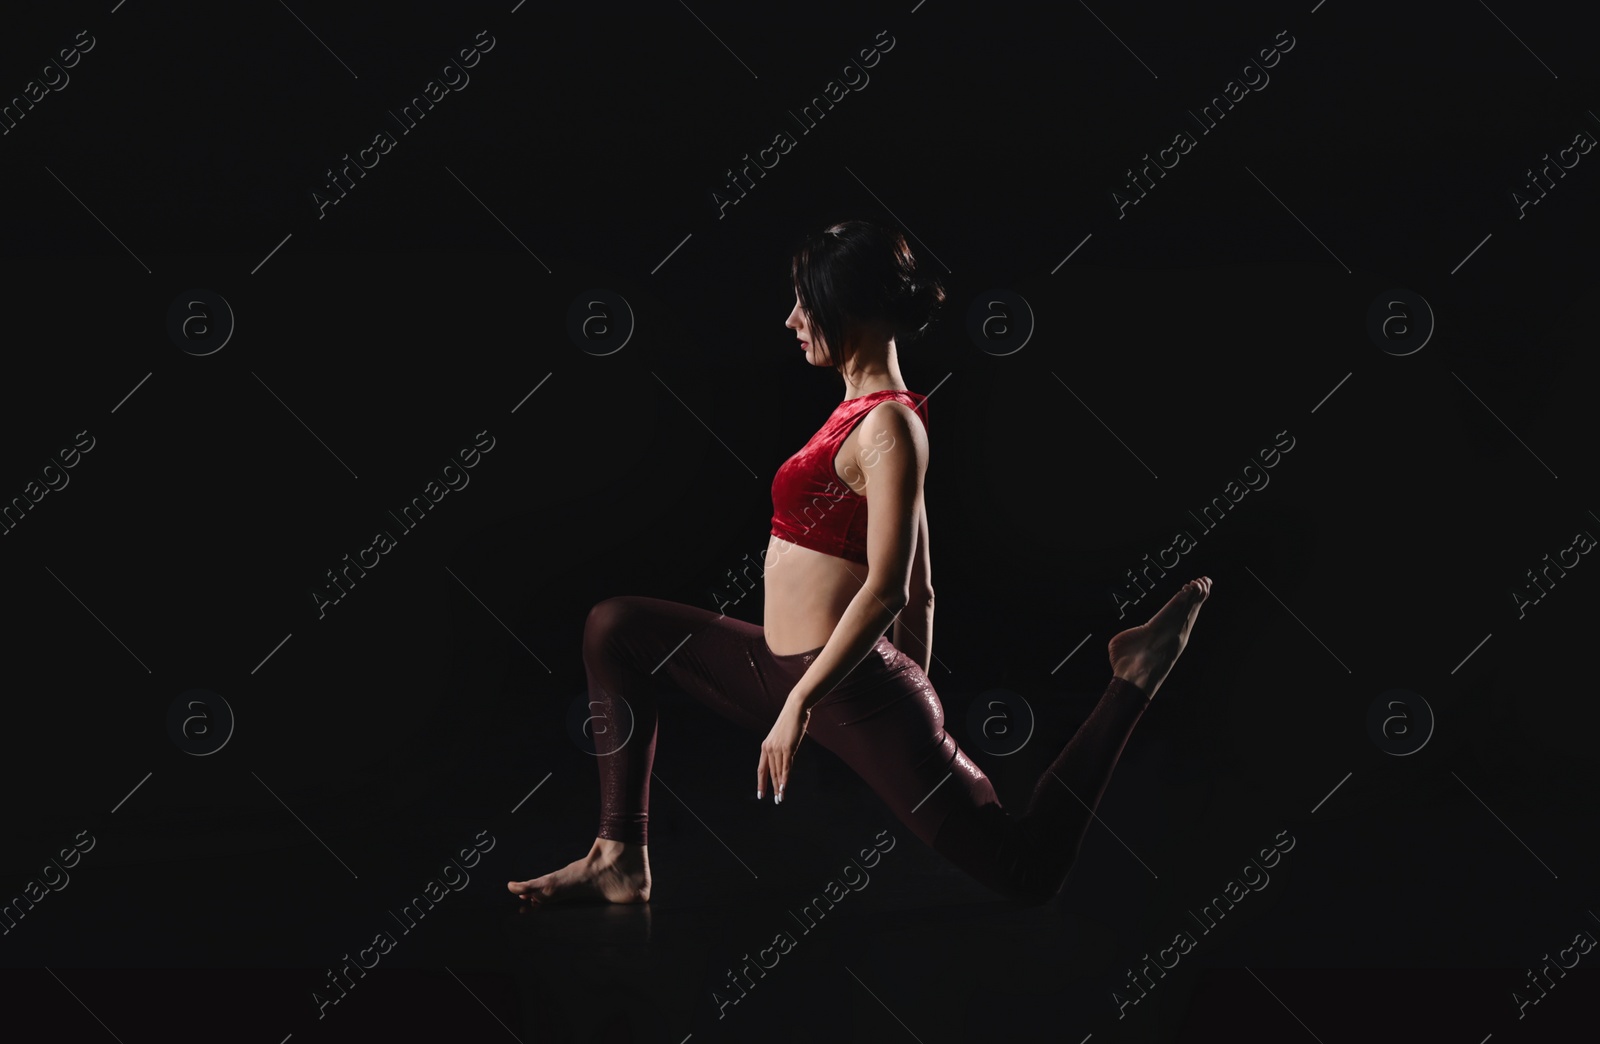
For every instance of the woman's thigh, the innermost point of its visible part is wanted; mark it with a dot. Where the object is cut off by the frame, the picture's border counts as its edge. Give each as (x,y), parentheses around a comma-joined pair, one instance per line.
(886,722)
(634,643)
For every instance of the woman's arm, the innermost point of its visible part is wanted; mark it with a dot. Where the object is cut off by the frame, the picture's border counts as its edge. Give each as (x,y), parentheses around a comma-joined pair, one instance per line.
(913,628)
(894,512)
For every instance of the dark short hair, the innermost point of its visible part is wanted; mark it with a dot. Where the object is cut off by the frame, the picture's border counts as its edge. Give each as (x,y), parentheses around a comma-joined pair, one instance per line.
(858,271)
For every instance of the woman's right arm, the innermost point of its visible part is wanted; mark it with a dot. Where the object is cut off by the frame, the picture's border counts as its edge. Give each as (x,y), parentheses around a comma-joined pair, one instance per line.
(913,628)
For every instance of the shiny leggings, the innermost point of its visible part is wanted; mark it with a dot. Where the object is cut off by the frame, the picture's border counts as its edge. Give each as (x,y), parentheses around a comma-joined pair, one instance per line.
(883,720)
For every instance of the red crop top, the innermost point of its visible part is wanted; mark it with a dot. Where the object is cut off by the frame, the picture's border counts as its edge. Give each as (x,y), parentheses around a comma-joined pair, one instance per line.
(810,506)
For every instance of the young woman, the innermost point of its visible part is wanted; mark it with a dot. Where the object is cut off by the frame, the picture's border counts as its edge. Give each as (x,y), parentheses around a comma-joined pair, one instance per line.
(848,557)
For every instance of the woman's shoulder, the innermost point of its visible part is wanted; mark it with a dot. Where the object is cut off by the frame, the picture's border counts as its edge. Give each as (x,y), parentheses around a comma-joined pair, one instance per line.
(903,408)
(890,422)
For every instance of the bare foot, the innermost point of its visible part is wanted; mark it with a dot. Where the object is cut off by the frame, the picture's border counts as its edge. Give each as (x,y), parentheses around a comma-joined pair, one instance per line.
(612,872)
(1143,655)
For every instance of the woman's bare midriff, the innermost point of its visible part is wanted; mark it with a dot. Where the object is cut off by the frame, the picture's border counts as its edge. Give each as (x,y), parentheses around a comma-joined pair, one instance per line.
(807,593)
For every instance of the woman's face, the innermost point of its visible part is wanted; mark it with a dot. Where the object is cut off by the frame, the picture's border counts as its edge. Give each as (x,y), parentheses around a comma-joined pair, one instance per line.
(816,354)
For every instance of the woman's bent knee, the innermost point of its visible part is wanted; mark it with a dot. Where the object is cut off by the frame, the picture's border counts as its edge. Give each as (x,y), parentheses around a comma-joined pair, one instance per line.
(608,616)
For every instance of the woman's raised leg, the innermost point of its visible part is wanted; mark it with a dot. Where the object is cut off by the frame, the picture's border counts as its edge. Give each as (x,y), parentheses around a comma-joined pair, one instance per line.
(1028,856)
(889,728)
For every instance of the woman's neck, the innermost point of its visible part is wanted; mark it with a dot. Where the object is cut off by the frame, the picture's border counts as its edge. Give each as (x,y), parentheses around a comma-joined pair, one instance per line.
(880,372)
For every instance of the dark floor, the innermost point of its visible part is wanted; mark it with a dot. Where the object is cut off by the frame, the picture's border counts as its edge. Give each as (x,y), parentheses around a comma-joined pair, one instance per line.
(918,952)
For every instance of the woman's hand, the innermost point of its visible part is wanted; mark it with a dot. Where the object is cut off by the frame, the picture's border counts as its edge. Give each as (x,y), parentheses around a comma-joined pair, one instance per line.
(778,750)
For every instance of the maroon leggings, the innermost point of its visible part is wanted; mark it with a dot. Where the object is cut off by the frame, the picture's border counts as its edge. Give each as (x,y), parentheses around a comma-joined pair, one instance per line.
(883,720)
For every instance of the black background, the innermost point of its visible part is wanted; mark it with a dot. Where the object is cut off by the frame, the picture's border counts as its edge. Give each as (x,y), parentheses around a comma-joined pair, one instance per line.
(1179,339)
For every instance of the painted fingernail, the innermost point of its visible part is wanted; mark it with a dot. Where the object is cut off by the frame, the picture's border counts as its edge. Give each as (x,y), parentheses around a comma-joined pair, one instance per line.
(758,795)
(778,800)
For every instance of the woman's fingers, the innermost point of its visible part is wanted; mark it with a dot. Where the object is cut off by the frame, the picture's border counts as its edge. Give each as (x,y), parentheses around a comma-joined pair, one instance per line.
(772,770)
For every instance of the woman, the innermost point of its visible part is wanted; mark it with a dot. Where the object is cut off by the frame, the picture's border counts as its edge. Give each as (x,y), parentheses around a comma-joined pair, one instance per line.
(848,557)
